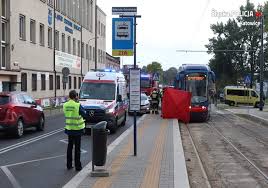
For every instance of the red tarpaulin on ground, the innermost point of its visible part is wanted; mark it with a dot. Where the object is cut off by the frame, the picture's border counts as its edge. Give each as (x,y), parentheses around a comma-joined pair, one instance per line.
(175,104)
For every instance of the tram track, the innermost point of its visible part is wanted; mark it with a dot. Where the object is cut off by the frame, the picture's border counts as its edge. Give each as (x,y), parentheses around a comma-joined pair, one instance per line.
(258,169)
(225,161)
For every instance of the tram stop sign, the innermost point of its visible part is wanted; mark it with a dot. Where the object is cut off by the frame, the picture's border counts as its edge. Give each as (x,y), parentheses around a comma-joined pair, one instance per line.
(65,73)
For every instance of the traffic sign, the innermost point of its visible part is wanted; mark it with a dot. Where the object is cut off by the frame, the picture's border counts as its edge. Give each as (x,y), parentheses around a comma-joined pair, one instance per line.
(247,79)
(65,71)
(130,11)
(122,37)
(156,77)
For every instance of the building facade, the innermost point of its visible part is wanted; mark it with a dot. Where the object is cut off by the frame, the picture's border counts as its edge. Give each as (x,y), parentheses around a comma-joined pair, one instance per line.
(112,62)
(28,39)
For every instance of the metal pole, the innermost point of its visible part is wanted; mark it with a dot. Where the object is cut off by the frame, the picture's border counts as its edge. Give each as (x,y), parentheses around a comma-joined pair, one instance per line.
(135,113)
(54,59)
(261,67)
(96,35)
(81,52)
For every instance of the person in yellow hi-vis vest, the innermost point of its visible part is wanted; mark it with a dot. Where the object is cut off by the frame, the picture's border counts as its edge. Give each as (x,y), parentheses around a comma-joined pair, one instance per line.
(74,128)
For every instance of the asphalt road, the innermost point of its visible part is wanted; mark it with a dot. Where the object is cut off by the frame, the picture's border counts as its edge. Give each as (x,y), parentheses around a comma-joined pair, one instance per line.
(38,159)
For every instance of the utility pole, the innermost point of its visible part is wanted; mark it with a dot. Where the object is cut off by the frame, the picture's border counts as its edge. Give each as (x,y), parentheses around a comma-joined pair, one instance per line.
(54,45)
(96,35)
(261,65)
(81,28)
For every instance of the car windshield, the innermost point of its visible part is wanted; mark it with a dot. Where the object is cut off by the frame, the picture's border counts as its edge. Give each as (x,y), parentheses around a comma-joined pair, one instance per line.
(144,97)
(4,100)
(196,83)
(101,91)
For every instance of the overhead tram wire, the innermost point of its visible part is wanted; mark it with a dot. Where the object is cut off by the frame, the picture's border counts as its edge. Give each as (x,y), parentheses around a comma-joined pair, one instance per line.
(210,51)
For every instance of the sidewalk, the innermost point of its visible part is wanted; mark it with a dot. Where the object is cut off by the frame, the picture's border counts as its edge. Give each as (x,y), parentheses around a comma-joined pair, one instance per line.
(251,113)
(159,162)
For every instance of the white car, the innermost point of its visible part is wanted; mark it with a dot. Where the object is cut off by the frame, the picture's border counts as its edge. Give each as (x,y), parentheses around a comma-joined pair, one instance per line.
(145,105)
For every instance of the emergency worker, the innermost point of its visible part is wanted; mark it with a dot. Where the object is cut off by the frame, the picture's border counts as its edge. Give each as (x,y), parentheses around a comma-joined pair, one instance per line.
(155,101)
(74,128)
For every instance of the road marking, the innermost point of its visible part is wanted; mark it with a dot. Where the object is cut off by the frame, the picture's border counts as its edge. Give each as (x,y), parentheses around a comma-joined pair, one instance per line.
(10,176)
(152,173)
(78,178)
(219,112)
(35,160)
(66,142)
(23,143)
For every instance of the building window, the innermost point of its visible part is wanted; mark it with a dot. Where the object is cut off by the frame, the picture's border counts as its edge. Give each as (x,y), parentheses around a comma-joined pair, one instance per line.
(51,82)
(50,3)
(32,31)
(22,27)
(98,56)
(42,35)
(74,47)
(3,58)
(83,50)
(75,82)
(43,82)
(90,52)
(34,82)
(49,37)
(69,44)
(79,82)
(99,27)
(4,32)
(57,4)
(4,7)
(58,81)
(79,47)
(87,54)
(70,82)
(57,40)
(63,42)
(44,1)
(23,81)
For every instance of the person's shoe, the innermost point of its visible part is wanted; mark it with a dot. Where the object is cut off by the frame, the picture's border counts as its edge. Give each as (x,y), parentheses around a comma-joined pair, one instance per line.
(78,168)
(69,167)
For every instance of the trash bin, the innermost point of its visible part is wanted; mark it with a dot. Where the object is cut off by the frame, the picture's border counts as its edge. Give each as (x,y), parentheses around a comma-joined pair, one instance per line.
(99,148)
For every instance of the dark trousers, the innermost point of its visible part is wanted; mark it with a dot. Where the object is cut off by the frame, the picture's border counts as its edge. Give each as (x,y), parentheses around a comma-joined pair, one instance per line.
(74,140)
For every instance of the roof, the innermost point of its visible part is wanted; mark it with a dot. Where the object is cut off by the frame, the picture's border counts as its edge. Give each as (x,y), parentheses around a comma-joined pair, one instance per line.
(102,75)
(186,67)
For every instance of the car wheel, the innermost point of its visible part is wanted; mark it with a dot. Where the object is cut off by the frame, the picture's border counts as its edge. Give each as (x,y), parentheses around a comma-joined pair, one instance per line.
(19,129)
(232,103)
(41,124)
(114,126)
(125,119)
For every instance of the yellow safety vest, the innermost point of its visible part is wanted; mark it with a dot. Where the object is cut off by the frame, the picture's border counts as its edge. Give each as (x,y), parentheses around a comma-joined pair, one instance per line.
(73,121)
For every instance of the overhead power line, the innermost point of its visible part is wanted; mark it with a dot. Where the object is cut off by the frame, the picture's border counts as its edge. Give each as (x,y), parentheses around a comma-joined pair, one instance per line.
(209,51)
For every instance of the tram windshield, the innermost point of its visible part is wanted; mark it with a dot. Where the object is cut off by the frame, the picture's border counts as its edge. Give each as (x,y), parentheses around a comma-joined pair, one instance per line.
(196,83)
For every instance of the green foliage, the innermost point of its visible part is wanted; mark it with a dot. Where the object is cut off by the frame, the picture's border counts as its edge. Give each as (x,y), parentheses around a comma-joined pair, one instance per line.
(169,76)
(231,66)
(154,67)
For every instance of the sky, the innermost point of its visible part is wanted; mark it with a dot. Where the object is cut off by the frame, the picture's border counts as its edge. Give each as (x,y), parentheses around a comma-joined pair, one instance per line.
(170,25)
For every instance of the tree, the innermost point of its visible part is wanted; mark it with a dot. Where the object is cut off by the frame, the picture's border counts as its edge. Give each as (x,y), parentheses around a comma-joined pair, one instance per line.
(236,34)
(154,67)
(169,76)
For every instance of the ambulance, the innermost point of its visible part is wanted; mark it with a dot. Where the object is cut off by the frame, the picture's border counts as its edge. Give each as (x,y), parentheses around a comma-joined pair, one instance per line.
(103,95)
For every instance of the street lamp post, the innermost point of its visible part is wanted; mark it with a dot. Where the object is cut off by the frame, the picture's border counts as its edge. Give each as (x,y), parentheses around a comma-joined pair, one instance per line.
(90,52)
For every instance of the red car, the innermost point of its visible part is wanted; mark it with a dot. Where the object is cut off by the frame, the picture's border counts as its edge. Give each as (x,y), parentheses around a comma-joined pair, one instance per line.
(18,111)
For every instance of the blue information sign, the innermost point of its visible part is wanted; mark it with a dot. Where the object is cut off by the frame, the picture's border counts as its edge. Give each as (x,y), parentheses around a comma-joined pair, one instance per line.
(247,79)
(122,37)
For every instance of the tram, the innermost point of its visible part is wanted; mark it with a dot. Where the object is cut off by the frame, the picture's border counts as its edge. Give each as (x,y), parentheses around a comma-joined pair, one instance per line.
(200,81)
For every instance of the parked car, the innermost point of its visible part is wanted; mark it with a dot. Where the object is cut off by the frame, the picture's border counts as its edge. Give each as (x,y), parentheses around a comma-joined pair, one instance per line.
(18,111)
(145,105)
